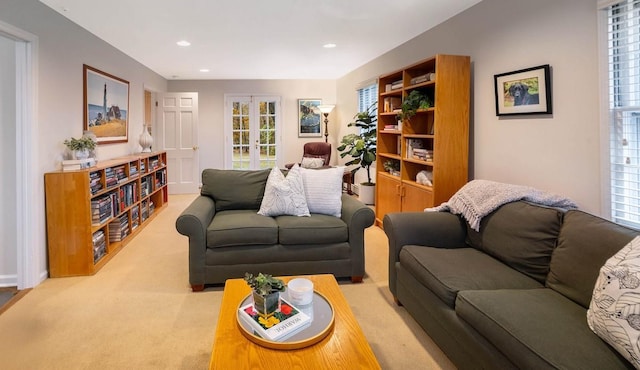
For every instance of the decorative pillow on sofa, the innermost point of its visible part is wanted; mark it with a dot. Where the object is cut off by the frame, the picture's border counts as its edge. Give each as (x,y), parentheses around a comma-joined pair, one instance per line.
(323,188)
(309,162)
(614,312)
(284,196)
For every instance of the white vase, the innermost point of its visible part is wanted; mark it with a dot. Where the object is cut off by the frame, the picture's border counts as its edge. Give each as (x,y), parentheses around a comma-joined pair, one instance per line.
(366,193)
(92,152)
(145,140)
(81,154)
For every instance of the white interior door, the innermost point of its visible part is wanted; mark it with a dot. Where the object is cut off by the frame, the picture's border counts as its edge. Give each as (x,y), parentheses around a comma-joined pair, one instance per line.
(252,126)
(178,127)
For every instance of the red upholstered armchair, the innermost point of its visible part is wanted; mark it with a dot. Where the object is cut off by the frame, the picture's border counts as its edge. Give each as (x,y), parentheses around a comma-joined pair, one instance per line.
(315,150)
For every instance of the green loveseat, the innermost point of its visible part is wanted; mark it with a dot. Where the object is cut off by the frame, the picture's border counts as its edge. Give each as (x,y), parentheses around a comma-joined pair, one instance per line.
(513,295)
(228,238)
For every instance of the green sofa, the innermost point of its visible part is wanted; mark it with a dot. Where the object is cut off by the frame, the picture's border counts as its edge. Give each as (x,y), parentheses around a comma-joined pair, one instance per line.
(513,295)
(228,238)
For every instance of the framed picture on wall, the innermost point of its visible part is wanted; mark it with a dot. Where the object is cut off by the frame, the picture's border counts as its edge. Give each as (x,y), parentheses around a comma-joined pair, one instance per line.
(309,118)
(106,105)
(526,91)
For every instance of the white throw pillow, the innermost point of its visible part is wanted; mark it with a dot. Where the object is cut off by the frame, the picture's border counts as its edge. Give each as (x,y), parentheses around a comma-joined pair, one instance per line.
(323,188)
(614,312)
(308,162)
(284,196)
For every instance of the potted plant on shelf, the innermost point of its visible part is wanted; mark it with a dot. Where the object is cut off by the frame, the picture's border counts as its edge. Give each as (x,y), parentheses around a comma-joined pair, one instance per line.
(412,102)
(80,147)
(266,292)
(362,148)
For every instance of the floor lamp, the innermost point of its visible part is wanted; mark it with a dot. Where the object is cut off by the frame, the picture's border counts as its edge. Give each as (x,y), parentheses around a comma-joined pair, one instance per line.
(326,109)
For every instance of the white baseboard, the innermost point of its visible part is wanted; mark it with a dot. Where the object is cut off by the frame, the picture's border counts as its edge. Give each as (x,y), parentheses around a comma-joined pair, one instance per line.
(8,280)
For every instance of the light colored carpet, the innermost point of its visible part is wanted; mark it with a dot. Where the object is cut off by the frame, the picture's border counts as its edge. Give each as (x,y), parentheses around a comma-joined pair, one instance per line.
(138,312)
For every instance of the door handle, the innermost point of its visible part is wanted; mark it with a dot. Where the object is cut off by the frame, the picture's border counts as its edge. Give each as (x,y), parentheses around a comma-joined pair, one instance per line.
(195,147)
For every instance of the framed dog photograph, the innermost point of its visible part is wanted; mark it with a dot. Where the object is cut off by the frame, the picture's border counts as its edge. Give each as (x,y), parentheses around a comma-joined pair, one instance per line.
(527,91)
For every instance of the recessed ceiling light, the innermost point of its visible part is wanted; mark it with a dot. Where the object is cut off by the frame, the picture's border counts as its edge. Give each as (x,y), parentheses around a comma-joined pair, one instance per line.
(329,45)
(204,70)
(183,43)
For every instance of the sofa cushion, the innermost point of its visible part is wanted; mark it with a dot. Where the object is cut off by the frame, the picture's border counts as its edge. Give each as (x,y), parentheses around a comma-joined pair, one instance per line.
(232,189)
(323,188)
(537,329)
(448,271)
(614,312)
(317,229)
(241,227)
(284,195)
(520,234)
(584,245)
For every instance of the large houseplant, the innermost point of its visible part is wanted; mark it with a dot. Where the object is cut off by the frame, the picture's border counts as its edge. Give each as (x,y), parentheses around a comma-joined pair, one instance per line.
(362,146)
(266,292)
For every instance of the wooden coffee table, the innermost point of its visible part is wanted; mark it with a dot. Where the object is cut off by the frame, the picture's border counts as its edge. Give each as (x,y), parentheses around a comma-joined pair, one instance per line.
(344,348)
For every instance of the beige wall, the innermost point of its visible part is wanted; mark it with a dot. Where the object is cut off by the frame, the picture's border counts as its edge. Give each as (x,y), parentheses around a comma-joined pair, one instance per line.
(211,112)
(558,152)
(63,47)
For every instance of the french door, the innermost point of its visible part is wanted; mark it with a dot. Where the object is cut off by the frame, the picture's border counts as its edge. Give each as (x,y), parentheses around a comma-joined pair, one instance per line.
(252,131)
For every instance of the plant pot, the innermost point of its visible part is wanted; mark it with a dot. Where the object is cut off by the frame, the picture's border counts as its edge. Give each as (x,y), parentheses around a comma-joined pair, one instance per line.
(266,305)
(367,193)
(81,153)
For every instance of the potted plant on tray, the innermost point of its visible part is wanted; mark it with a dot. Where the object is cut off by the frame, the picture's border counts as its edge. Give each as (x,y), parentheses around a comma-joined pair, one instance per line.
(266,292)
(362,148)
(80,147)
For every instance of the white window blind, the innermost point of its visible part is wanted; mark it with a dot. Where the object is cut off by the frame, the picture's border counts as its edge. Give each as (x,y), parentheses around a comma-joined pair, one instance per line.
(367,96)
(623,38)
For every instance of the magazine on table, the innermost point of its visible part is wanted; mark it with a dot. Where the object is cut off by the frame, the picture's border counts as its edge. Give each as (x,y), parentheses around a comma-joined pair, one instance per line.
(282,325)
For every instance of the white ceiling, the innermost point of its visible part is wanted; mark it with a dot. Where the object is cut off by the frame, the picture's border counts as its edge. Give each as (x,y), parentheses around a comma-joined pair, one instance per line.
(256,39)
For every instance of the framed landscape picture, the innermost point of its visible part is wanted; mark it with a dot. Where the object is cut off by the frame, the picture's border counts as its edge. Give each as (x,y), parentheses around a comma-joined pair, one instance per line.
(106,105)
(527,91)
(309,118)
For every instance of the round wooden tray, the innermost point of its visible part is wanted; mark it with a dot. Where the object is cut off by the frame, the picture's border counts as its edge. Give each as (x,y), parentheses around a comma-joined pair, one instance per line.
(307,337)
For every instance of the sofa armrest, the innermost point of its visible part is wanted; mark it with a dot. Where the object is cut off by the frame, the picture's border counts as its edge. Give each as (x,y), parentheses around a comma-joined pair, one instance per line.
(358,217)
(193,222)
(432,229)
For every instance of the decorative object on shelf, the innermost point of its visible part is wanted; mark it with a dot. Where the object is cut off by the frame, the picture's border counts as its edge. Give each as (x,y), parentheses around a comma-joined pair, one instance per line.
(392,166)
(145,140)
(91,135)
(266,292)
(526,91)
(80,147)
(412,102)
(106,105)
(325,109)
(309,118)
(362,148)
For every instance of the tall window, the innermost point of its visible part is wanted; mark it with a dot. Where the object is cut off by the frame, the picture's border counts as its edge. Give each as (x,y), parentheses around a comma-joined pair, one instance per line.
(623,43)
(367,96)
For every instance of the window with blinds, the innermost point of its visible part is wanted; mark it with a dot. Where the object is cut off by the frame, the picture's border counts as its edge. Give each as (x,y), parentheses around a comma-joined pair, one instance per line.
(367,96)
(623,39)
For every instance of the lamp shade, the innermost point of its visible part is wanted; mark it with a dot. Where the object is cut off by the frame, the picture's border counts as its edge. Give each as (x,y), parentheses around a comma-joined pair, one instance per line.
(326,108)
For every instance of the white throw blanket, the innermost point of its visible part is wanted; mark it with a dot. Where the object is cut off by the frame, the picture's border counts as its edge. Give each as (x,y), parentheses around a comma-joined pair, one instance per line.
(478,198)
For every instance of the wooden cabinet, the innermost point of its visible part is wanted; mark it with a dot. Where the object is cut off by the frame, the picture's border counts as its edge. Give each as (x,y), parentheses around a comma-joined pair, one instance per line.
(93,213)
(434,140)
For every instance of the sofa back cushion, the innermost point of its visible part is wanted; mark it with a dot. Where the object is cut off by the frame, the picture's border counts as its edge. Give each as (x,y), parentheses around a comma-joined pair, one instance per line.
(584,245)
(233,189)
(520,234)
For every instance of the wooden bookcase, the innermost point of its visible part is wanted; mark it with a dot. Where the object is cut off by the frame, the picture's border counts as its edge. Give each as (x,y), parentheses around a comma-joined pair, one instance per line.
(92,213)
(442,130)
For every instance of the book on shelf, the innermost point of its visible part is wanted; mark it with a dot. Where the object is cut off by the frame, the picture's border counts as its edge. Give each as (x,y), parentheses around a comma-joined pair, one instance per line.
(391,103)
(422,78)
(78,164)
(291,320)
